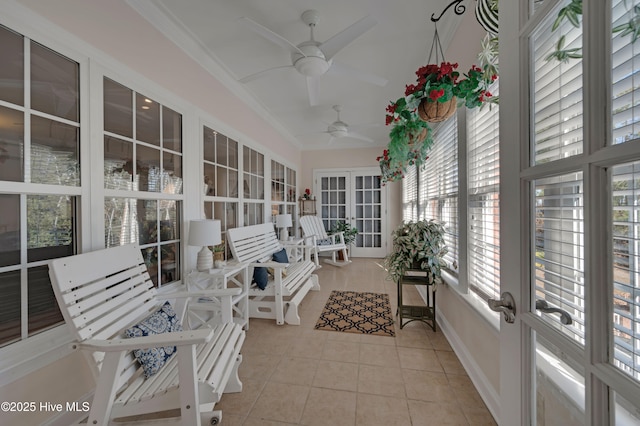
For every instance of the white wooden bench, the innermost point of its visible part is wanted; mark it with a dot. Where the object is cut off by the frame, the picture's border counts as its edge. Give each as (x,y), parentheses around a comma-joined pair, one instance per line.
(105,292)
(290,281)
(313,229)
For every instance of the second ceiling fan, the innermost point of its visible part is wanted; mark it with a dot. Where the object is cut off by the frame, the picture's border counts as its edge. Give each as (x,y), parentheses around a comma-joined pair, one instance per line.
(312,58)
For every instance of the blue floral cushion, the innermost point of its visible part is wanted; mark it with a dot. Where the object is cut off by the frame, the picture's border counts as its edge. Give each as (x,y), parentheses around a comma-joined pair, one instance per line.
(162,321)
(260,277)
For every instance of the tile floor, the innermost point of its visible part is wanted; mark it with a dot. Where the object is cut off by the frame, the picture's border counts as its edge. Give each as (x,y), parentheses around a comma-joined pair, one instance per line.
(295,375)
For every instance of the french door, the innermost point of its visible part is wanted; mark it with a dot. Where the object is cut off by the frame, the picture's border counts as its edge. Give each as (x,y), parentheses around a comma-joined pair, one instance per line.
(358,198)
(572,255)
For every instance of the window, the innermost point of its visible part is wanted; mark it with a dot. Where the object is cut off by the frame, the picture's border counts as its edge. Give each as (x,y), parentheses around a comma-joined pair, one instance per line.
(410,195)
(253,186)
(283,192)
(40,173)
(143,159)
(438,183)
(483,200)
(220,154)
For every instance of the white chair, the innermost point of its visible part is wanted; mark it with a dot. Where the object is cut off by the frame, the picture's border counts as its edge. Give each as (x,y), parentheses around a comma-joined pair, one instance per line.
(103,293)
(313,229)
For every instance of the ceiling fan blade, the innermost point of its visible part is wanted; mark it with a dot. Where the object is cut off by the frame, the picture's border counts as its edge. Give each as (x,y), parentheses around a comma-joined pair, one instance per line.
(342,69)
(259,74)
(312,90)
(359,136)
(364,126)
(271,36)
(346,36)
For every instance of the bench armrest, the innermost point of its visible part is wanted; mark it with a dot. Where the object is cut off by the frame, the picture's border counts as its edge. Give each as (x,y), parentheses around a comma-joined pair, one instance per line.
(275,265)
(180,338)
(222,292)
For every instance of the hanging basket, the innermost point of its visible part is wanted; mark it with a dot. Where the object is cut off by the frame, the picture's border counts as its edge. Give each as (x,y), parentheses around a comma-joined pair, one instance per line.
(435,112)
(419,137)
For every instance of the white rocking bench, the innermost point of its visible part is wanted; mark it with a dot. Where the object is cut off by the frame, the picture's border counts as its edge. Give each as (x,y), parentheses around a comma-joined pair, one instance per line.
(105,292)
(284,292)
(313,229)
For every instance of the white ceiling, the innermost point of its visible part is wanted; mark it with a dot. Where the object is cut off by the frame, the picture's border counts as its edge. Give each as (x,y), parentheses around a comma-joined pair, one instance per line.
(393,49)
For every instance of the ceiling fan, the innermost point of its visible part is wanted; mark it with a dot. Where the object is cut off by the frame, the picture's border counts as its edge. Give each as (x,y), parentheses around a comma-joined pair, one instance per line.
(339,129)
(312,58)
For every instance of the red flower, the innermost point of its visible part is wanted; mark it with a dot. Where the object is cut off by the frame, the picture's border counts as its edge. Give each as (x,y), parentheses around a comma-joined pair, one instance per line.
(307,191)
(494,77)
(391,108)
(388,119)
(487,94)
(409,89)
(435,94)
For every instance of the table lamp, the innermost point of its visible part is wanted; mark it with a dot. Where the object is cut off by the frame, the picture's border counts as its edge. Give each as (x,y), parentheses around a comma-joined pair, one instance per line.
(283,222)
(204,233)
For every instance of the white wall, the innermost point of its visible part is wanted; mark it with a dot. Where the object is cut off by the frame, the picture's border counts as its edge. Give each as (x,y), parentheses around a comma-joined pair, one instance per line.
(350,159)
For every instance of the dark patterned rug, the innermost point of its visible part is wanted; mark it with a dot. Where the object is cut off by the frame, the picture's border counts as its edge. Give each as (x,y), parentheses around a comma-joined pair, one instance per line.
(353,312)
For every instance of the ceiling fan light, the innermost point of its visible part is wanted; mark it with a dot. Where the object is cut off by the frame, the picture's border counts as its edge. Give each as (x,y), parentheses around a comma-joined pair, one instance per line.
(311,66)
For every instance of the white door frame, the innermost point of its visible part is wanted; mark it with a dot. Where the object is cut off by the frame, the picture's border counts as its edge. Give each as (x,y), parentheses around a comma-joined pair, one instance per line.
(517,353)
(349,175)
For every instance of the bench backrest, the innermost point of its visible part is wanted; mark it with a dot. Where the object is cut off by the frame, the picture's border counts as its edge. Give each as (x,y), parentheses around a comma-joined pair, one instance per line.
(252,243)
(103,292)
(312,225)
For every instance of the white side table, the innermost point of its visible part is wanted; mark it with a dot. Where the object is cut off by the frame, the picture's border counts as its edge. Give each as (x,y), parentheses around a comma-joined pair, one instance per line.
(295,254)
(206,310)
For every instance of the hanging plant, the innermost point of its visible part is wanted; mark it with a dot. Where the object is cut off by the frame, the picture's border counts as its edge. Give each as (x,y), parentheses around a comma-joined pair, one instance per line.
(572,13)
(409,142)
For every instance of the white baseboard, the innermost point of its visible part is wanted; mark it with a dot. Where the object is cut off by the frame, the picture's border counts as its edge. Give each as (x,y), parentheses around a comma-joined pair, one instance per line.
(487,392)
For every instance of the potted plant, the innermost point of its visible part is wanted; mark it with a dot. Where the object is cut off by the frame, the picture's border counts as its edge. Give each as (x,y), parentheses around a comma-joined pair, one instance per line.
(218,254)
(409,140)
(348,234)
(439,88)
(417,245)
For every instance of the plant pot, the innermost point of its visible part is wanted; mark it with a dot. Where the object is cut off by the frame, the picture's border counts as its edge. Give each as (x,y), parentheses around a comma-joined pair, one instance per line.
(419,138)
(218,255)
(435,112)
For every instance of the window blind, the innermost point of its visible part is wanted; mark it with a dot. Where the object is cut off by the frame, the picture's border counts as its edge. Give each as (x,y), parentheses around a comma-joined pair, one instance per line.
(557,93)
(410,195)
(625,189)
(438,186)
(483,171)
(625,76)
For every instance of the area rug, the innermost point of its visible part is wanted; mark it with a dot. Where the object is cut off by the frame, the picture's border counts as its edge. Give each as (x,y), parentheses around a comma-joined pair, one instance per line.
(354,312)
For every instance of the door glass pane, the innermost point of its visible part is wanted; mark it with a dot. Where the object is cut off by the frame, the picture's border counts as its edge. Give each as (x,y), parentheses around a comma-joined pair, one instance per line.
(625,190)
(558,250)
(557,92)
(625,72)
(559,387)
(366,211)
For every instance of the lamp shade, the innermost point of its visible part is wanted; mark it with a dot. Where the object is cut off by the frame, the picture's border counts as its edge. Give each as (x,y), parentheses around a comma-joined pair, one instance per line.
(283,221)
(204,233)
